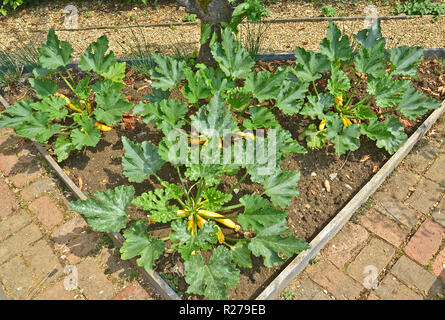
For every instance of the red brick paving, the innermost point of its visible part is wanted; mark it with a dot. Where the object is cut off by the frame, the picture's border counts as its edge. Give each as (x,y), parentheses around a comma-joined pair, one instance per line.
(133,292)
(36,245)
(425,242)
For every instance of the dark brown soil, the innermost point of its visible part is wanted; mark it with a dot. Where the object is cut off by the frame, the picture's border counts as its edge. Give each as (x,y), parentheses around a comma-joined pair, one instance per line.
(100,168)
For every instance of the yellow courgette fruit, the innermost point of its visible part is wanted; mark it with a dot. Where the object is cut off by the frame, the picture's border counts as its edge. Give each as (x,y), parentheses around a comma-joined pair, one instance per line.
(200,221)
(220,235)
(338,101)
(211,215)
(247,136)
(322,125)
(182,213)
(102,127)
(346,121)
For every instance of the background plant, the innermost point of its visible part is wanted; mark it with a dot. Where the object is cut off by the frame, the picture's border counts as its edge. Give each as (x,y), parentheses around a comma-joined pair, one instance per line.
(14,59)
(76,119)
(420,7)
(342,116)
(329,11)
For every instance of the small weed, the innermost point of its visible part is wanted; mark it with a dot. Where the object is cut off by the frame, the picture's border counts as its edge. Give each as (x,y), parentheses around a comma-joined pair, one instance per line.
(287,295)
(132,276)
(329,11)
(420,7)
(189,17)
(172,281)
(314,261)
(105,241)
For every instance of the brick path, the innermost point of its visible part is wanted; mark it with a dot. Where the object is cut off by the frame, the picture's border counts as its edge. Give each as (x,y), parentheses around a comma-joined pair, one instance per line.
(394,247)
(40,237)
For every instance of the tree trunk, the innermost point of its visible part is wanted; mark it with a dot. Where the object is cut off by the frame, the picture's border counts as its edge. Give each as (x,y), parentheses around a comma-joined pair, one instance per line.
(211,12)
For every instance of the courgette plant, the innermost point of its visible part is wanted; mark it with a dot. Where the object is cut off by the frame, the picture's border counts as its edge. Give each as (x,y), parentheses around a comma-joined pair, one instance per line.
(342,115)
(77,118)
(221,130)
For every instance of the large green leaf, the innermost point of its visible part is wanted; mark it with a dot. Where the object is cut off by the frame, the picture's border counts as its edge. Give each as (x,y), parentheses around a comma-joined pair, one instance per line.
(348,140)
(196,87)
(281,187)
(241,254)
(166,110)
(52,105)
(95,59)
(140,160)
(414,104)
(316,106)
(62,148)
(215,199)
(260,117)
(157,202)
(212,279)
(111,104)
(265,85)
(167,73)
(273,246)
(338,83)
(387,91)
(89,135)
(107,211)
(309,66)
(371,60)
(389,134)
(234,60)
(55,53)
(371,36)
(214,119)
(186,243)
(404,60)
(39,127)
(15,115)
(291,96)
(336,46)
(138,242)
(258,213)
(43,87)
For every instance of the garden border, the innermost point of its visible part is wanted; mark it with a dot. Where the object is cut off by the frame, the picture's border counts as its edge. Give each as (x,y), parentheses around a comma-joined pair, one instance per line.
(299,262)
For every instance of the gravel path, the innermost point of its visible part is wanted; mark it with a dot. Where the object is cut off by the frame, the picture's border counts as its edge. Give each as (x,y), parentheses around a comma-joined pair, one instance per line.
(280,37)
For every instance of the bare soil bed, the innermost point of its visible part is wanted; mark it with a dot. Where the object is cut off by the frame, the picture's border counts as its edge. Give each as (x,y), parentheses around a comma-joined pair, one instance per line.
(100,168)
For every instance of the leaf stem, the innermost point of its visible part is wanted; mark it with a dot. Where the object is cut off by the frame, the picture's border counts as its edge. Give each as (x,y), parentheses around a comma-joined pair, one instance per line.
(66,81)
(243,111)
(235,239)
(238,183)
(235,206)
(70,76)
(315,87)
(353,91)
(182,183)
